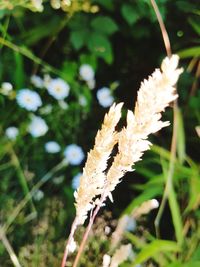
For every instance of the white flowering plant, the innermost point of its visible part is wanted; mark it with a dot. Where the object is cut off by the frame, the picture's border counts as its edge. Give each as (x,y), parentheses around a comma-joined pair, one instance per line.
(66,67)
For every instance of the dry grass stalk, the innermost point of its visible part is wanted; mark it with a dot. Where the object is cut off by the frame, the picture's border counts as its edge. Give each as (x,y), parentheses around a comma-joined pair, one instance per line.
(122,254)
(93,179)
(154,95)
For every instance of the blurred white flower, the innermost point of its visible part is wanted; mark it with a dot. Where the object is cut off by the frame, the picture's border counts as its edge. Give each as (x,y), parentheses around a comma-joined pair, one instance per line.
(82,101)
(39,194)
(6,88)
(104,97)
(47,79)
(63,104)
(74,154)
(37,127)
(11,132)
(28,99)
(86,72)
(52,147)
(58,88)
(37,4)
(46,109)
(131,224)
(76,180)
(56,4)
(91,84)
(58,180)
(106,260)
(37,81)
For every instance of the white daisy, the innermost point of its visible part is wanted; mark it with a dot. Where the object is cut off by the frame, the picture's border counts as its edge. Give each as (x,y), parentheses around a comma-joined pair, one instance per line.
(52,147)
(74,154)
(58,88)
(76,180)
(86,72)
(37,127)
(37,81)
(104,97)
(11,132)
(28,99)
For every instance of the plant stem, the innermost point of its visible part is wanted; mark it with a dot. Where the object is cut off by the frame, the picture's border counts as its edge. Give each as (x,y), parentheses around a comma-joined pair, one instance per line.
(70,238)
(85,237)
(163,28)
(170,171)
(9,249)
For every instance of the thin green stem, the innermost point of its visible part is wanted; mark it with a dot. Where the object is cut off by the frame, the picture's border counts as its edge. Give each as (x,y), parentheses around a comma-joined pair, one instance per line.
(27,53)
(9,249)
(20,174)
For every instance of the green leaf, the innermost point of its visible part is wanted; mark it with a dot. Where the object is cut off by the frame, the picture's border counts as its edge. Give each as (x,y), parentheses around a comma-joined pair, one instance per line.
(180,137)
(189,52)
(100,46)
(155,247)
(194,189)
(78,38)
(41,31)
(195,25)
(176,216)
(104,25)
(129,13)
(108,4)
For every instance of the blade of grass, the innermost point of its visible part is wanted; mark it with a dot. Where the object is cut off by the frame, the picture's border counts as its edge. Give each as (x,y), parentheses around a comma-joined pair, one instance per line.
(27,53)
(9,249)
(155,247)
(20,174)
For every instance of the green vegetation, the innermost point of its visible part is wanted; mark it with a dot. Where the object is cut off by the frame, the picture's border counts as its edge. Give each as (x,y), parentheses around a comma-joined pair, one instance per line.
(76,58)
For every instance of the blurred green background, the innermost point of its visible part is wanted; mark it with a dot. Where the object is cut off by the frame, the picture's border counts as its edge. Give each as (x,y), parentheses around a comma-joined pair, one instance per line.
(79,57)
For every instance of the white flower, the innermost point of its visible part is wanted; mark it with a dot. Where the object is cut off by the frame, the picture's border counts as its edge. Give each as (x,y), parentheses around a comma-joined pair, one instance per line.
(28,99)
(6,88)
(46,109)
(58,180)
(11,132)
(91,84)
(39,194)
(63,104)
(104,97)
(86,72)
(37,4)
(82,101)
(131,224)
(52,147)
(76,180)
(74,154)
(37,81)
(37,127)
(58,88)
(106,260)
(47,79)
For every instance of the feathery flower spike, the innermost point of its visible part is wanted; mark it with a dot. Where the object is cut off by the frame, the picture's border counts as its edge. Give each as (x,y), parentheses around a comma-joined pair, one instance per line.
(93,178)
(154,95)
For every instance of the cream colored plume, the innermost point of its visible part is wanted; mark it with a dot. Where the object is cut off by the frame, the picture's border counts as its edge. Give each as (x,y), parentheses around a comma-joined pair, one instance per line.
(93,178)
(154,95)
(122,254)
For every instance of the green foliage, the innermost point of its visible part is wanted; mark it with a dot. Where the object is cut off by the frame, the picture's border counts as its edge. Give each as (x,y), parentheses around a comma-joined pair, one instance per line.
(121,42)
